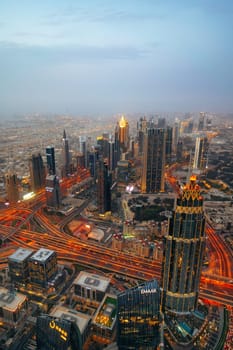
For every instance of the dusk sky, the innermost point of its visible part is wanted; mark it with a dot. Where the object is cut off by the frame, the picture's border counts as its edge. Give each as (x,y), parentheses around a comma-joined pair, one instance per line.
(104,57)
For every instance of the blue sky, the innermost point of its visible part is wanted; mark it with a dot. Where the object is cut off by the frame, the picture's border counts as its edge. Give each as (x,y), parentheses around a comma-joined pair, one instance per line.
(104,57)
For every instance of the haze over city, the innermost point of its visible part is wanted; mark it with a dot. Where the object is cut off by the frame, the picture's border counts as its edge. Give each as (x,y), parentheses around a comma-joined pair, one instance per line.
(104,57)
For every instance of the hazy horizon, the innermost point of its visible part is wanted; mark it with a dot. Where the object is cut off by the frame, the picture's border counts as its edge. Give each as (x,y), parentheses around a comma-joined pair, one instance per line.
(101,57)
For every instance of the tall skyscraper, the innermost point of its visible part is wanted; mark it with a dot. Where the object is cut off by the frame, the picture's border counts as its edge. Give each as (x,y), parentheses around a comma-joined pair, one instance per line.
(103,188)
(201,122)
(201,153)
(12,189)
(122,134)
(183,252)
(37,172)
(153,160)
(50,157)
(53,193)
(141,126)
(138,317)
(169,132)
(65,156)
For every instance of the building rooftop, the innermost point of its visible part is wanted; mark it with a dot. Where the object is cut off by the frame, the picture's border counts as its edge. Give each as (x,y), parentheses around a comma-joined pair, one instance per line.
(89,280)
(106,313)
(20,254)
(42,254)
(10,300)
(79,318)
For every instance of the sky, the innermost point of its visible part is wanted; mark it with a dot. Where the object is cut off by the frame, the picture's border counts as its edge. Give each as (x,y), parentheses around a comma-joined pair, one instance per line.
(90,57)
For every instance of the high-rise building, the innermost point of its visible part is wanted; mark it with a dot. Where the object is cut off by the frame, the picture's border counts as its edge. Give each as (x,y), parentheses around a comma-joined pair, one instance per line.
(201,153)
(65,156)
(42,267)
(153,160)
(53,193)
(138,317)
(161,123)
(37,172)
(50,157)
(103,188)
(122,134)
(169,132)
(183,252)
(141,126)
(201,122)
(12,189)
(18,266)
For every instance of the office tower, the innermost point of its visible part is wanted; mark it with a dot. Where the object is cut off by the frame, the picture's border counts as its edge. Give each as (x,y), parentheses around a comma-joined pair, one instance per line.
(13,309)
(138,317)
(50,157)
(153,161)
(122,134)
(141,126)
(161,123)
(175,135)
(63,333)
(80,161)
(103,188)
(37,172)
(168,151)
(112,163)
(179,152)
(201,153)
(65,156)
(92,164)
(42,267)
(183,252)
(201,121)
(18,266)
(83,149)
(12,189)
(53,193)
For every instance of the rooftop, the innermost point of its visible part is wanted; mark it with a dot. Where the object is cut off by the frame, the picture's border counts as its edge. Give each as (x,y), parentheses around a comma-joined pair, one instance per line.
(89,280)
(42,254)
(10,300)
(20,254)
(79,318)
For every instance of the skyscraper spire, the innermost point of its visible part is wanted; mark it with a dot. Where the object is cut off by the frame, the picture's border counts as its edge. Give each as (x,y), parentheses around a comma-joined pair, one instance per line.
(64,134)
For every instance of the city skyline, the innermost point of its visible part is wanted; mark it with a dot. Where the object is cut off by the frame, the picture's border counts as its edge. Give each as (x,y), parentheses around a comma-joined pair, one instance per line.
(102,58)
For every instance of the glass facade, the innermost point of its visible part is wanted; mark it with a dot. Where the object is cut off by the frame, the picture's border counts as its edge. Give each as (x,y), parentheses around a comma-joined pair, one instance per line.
(138,317)
(183,252)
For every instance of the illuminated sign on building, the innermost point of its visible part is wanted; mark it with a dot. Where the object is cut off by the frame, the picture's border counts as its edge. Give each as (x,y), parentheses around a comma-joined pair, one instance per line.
(148,291)
(62,332)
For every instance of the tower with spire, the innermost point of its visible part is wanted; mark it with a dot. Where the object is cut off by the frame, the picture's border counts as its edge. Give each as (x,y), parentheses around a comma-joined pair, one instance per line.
(65,156)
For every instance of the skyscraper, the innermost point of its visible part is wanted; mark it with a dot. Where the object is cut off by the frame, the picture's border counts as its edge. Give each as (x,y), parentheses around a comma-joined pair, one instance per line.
(122,134)
(53,194)
(50,157)
(103,188)
(201,153)
(12,190)
(169,133)
(138,317)
(153,160)
(183,252)
(65,156)
(37,171)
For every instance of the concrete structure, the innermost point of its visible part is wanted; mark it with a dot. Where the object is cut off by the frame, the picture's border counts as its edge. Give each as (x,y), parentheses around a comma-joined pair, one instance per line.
(13,307)
(18,266)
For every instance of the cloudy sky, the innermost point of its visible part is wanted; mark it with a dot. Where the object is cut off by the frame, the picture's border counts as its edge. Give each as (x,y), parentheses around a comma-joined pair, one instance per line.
(103,57)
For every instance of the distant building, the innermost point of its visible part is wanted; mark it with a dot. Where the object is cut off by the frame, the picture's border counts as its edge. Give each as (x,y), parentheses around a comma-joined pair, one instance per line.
(168,148)
(183,252)
(141,126)
(122,134)
(18,266)
(201,122)
(161,123)
(138,317)
(37,172)
(50,157)
(201,153)
(104,188)
(12,189)
(53,193)
(65,156)
(153,161)
(42,267)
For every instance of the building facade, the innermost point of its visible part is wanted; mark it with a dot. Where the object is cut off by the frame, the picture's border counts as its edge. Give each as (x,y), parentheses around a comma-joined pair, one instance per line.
(138,317)
(53,193)
(37,172)
(50,158)
(12,189)
(183,252)
(153,161)
(103,188)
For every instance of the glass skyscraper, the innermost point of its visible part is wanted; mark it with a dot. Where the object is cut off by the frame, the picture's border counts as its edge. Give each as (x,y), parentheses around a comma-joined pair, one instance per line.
(138,317)
(183,252)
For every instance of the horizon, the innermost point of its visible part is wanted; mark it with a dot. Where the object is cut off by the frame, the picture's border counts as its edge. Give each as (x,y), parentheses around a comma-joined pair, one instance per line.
(101,58)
